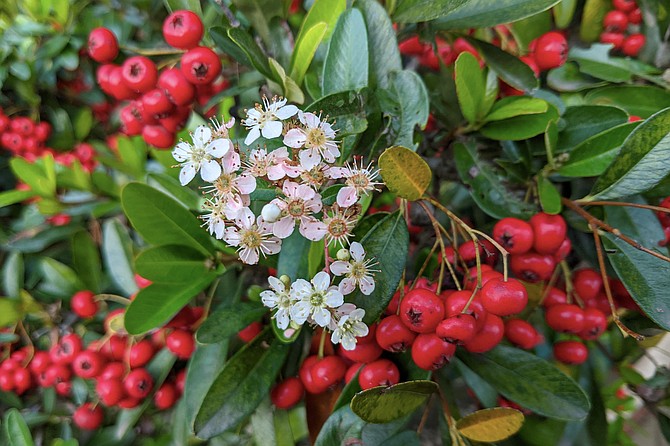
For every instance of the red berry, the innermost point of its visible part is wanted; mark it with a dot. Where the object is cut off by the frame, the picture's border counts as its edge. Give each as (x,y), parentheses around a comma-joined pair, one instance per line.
(56,373)
(88,364)
(183,29)
(102,45)
(362,352)
(429,352)
(615,39)
(200,65)
(664,217)
(156,102)
(379,373)
(115,348)
(635,16)
(110,391)
(139,73)
(116,86)
(306,376)
(624,5)
(504,298)
(66,350)
(352,371)
(565,318)
(488,337)
(532,267)
(554,296)
(421,310)
(141,353)
(113,370)
(88,416)
(6,381)
(287,393)
(41,360)
(158,136)
(457,329)
(515,235)
(530,61)
(22,380)
(521,333)
(587,283)
(83,304)
(327,372)
(595,324)
(549,231)
(393,336)
(129,403)
(456,301)
(250,331)
(413,46)
(138,383)
(633,44)
(615,21)
(165,396)
(180,380)
(181,343)
(176,87)
(570,352)
(551,51)
(563,251)
(64,388)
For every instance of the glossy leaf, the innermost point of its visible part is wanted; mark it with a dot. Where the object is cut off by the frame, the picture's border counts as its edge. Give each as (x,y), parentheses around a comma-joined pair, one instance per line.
(294,257)
(16,430)
(342,427)
(305,52)
(187,197)
(487,189)
(530,381)
(641,163)
(596,61)
(14,196)
(568,78)
(244,381)
(638,100)
(490,425)
(550,199)
(225,322)
(520,127)
(161,220)
(252,51)
(512,106)
(405,173)
(469,87)
(59,279)
(508,67)
(593,14)
(412,11)
(172,264)
(591,157)
(10,312)
(13,272)
(35,175)
(86,259)
(584,121)
(386,242)
(383,404)
(117,255)
(384,57)
(483,13)
(346,64)
(204,366)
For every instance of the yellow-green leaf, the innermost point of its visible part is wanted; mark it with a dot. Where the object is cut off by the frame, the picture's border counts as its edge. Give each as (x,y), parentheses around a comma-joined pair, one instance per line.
(490,425)
(405,173)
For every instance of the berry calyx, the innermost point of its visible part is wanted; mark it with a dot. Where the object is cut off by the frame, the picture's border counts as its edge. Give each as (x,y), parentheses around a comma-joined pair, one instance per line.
(183,29)
(421,310)
(200,65)
(515,235)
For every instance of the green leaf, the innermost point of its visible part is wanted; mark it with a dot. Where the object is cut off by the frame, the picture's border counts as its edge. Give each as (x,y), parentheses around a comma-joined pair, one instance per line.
(204,366)
(563,13)
(520,127)
(16,430)
(341,427)
(593,14)
(58,278)
(550,199)
(516,106)
(641,163)
(305,52)
(596,61)
(487,189)
(490,425)
(159,302)
(252,51)
(486,394)
(34,175)
(227,321)
(591,157)
(469,86)
(412,11)
(161,220)
(14,196)
(82,123)
(13,272)
(530,381)
(385,56)
(220,36)
(244,381)
(388,243)
(383,404)
(406,104)
(291,90)
(259,13)
(172,264)
(508,67)
(86,260)
(568,78)
(346,64)
(315,257)
(405,173)
(189,198)
(10,312)
(584,121)
(639,100)
(294,257)
(117,255)
(484,13)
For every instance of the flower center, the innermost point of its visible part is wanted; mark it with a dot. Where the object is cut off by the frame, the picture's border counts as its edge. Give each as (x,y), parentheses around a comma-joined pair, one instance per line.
(266,116)
(250,238)
(338,227)
(317,299)
(315,138)
(357,270)
(198,154)
(359,181)
(296,208)
(225,183)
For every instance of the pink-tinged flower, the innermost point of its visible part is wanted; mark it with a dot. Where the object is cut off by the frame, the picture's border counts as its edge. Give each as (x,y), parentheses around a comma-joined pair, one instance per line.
(215,220)
(201,155)
(359,181)
(357,271)
(279,298)
(349,327)
(221,128)
(336,227)
(230,185)
(318,175)
(314,299)
(252,237)
(299,204)
(316,137)
(274,165)
(266,119)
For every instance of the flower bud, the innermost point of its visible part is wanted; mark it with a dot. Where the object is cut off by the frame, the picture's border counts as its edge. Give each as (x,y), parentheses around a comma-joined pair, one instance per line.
(286,280)
(343,254)
(270,212)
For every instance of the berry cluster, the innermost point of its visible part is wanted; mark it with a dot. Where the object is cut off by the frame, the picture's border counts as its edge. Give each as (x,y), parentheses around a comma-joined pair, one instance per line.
(621,28)
(26,138)
(160,102)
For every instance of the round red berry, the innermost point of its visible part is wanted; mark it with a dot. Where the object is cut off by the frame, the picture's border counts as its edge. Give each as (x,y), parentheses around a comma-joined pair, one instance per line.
(615,39)
(532,267)
(181,343)
(183,29)
(287,393)
(554,296)
(421,310)
(176,87)
(624,5)
(595,324)
(429,352)
(23,380)
(393,336)
(379,373)
(551,51)
(200,65)
(352,371)
(488,337)
(83,304)
(549,231)
(635,16)
(587,283)
(456,302)
(565,318)
(138,383)
(515,235)
(250,331)
(615,21)
(327,372)
(157,103)
(88,364)
(141,353)
(102,45)
(113,370)
(158,136)
(633,44)
(139,73)
(457,329)
(66,350)
(504,298)
(110,391)
(570,352)
(41,360)
(521,333)
(88,416)
(362,352)
(165,396)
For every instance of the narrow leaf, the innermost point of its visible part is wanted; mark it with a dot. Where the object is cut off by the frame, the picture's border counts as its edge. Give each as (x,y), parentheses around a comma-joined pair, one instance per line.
(516,106)
(117,255)
(469,86)
(172,264)
(346,64)
(484,13)
(305,52)
(385,56)
(225,322)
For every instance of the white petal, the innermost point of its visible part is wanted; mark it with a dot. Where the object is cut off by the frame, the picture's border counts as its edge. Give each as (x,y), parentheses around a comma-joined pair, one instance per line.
(347,196)
(253,135)
(276,284)
(286,111)
(232,236)
(309,158)
(272,129)
(202,135)
(347,286)
(310,120)
(249,256)
(295,138)
(340,268)
(301,287)
(187,173)
(321,316)
(246,183)
(314,230)
(218,147)
(182,152)
(367,285)
(231,162)
(271,246)
(334,298)
(348,342)
(269,298)
(357,251)
(321,281)
(284,227)
(210,170)
(282,318)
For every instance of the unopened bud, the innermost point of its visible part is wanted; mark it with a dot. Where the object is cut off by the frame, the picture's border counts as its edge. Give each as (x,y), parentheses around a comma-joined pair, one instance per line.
(343,254)
(286,280)
(270,212)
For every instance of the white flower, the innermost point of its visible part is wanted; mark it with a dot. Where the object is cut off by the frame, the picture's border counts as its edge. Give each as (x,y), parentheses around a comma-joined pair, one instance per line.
(317,137)
(275,165)
(359,181)
(314,299)
(215,219)
(266,119)
(357,271)
(252,237)
(317,175)
(280,299)
(201,155)
(350,327)
(300,203)
(336,226)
